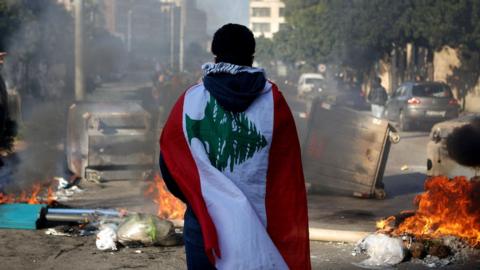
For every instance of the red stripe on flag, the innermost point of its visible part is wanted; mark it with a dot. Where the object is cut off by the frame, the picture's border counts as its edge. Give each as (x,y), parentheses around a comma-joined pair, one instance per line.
(286,199)
(183,169)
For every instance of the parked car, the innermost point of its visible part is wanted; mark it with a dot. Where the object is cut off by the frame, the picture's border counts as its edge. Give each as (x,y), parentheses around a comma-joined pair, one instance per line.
(438,161)
(310,83)
(421,103)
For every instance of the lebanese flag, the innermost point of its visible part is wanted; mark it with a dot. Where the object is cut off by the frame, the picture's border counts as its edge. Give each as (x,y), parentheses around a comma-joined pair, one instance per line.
(242,176)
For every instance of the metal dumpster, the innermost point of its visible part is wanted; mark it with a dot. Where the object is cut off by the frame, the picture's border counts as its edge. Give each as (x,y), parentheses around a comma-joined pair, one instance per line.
(109,141)
(345,151)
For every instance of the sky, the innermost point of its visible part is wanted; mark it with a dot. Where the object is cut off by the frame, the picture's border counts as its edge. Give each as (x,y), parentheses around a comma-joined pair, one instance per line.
(220,12)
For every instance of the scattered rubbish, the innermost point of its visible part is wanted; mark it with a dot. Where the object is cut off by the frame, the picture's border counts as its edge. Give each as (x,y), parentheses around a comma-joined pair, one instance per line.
(138,251)
(73,230)
(52,231)
(107,237)
(146,229)
(83,215)
(20,216)
(384,251)
(34,216)
(65,189)
(404,168)
(436,262)
(62,183)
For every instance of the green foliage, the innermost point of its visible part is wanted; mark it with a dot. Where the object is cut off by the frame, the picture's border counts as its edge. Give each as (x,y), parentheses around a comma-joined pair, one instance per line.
(264,52)
(229,138)
(356,33)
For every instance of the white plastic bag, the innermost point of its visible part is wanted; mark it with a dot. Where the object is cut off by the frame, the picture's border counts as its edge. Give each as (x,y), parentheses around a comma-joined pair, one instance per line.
(384,251)
(146,230)
(106,237)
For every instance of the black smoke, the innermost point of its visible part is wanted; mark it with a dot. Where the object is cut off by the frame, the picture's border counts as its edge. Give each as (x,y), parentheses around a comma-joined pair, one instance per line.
(463,144)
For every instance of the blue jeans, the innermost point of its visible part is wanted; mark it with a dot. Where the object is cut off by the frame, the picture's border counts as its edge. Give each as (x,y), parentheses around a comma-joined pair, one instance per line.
(194,247)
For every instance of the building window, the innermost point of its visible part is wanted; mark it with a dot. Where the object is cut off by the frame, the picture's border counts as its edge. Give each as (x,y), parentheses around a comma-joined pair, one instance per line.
(261,27)
(281,12)
(261,12)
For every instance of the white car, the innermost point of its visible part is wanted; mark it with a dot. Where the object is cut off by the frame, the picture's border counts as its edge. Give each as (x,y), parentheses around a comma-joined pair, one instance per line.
(310,83)
(438,161)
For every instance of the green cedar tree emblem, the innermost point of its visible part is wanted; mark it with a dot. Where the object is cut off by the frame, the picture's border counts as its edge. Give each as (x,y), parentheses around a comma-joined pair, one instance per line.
(229,138)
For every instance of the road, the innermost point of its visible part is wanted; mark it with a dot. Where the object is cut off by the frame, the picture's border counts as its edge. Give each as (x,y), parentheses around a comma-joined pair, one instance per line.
(35,250)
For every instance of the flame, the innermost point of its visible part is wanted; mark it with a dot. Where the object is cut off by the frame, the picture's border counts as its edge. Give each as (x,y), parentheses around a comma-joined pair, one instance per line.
(385,225)
(33,196)
(168,206)
(447,207)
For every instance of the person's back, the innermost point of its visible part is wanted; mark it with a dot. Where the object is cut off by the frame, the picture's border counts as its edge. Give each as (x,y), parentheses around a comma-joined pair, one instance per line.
(378,95)
(224,151)
(378,98)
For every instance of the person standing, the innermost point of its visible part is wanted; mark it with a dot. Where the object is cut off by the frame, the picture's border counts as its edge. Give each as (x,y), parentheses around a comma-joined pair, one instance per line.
(378,98)
(230,151)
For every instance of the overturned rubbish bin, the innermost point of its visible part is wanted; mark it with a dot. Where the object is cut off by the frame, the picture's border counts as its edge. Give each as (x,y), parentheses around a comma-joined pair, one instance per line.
(109,141)
(345,151)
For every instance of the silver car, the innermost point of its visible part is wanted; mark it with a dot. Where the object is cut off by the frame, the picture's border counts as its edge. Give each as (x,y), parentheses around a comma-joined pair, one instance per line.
(421,103)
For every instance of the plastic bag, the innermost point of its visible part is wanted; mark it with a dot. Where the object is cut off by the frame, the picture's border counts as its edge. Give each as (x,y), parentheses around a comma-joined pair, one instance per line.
(146,230)
(384,251)
(106,237)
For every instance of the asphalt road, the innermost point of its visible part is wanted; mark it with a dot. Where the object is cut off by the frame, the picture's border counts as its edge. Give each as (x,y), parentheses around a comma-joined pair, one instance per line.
(35,250)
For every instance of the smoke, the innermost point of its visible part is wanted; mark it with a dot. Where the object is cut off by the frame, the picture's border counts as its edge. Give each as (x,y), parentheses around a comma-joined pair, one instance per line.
(463,144)
(39,68)
(221,12)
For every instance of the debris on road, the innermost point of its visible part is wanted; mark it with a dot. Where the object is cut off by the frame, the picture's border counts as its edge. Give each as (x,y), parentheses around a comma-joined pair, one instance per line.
(435,236)
(146,230)
(435,262)
(55,232)
(404,168)
(384,251)
(65,189)
(107,237)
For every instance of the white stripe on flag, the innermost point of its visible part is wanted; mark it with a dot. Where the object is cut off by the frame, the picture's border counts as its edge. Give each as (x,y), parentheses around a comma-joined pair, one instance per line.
(236,199)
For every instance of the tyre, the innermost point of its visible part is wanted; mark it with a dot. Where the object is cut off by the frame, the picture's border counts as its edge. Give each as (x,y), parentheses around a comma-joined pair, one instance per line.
(404,123)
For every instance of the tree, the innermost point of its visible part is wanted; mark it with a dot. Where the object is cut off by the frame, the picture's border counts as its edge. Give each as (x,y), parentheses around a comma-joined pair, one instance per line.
(357,33)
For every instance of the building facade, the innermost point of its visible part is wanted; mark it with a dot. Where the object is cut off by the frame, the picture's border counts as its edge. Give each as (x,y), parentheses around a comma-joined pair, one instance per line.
(266,17)
(152,29)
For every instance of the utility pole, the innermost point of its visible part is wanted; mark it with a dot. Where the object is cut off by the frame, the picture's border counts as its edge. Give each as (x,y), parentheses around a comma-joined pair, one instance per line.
(79,71)
(129,31)
(183,18)
(172,36)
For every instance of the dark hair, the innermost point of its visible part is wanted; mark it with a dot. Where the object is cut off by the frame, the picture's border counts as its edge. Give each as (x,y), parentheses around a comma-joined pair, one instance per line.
(235,44)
